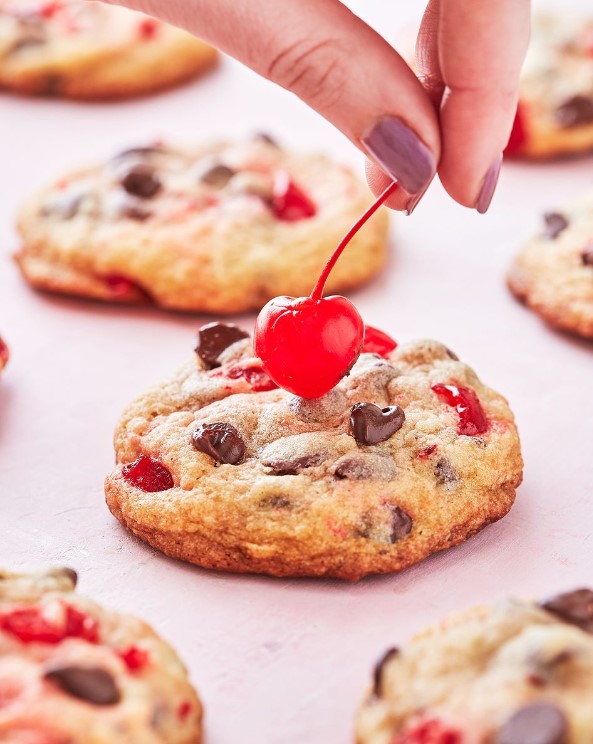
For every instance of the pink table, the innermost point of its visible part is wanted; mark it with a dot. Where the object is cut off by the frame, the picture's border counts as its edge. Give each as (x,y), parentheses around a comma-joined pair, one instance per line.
(281,661)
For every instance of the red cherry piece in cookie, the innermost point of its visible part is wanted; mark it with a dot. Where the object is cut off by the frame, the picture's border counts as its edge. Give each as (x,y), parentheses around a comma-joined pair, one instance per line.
(184,710)
(308,345)
(472,419)
(377,342)
(518,134)
(32,625)
(429,732)
(289,201)
(4,354)
(148,475)
(134,658)
(253,373)
(147,28)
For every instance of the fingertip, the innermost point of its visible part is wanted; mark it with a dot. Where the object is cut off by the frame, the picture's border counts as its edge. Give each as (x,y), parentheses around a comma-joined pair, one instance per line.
(378,181)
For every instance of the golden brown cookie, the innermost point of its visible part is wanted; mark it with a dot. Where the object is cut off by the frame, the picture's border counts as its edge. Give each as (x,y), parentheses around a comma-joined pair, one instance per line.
(220,228)
(410,454)
(553,273)
(515,673)
(92,51)
(72,672)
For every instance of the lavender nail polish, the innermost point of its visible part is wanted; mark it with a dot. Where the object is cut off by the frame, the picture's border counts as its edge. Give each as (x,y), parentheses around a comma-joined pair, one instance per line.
(489,186)
(401,153)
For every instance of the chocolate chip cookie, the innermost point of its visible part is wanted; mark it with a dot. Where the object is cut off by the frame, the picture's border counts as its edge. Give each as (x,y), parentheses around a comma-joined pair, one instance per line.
(555,113)
(408,455)
(92,51)
(73,672)
(553,273)
(514,673)
(222,228)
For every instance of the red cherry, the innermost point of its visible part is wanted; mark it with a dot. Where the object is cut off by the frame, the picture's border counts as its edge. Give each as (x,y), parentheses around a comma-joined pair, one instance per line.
(307,345)
(147,474)
(377,342)
(4,354)
(134,658)
(472,419)
(31,625)
(184,710)
(428,732)
(147,28)
(518,133)
(289,202)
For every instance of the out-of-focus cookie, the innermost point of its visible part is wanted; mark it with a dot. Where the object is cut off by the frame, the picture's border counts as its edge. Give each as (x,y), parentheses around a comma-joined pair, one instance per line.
(553,273)
(515,673)
(4,354)
(408,455)
(90,50)
(555,113)
(72,672)
(220,228)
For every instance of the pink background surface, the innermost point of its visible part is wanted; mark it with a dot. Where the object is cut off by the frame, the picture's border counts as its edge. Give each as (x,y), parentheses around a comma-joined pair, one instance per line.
(281,661)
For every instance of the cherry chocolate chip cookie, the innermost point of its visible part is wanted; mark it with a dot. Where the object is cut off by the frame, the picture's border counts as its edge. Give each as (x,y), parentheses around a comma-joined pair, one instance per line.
(91,51)
(222,228)
(72,672)
(515,673)
(553,273)
(555,113)
(409,454)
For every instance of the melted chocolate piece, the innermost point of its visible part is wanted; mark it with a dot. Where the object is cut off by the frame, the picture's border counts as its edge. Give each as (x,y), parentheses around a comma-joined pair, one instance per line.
(293,465)
(141,180)
(555,224)
(575,608)
(575,111)
(214,338)
(217,176)
(401,523)
(536,723)
(221,441)
(277,501)
(378,670)
(587,256)
(370,424)
(444,472)
(91,684)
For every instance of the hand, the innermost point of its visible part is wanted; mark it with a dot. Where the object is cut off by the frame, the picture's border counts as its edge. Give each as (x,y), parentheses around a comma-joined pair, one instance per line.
(455,117)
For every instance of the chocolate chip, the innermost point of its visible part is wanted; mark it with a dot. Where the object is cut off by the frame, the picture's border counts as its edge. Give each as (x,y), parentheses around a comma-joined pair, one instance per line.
(451,354)
(536,723)
(221,441)
(364,466)
(265,137)
(555,224)
(575,608)
(91,684)
(69,573)
(444,472)
(141,180)
(575,111)
(277,501)
(293,465)
(214,338)
(401,523)
(587,256)
(353,468)
(370,424)
(378,670)
(217,175)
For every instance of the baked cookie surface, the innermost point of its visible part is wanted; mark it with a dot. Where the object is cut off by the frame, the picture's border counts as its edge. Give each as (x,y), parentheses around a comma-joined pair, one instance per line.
(408,455)
(72,672)
(555,113)
(222,228)
(515,673)
(91,51)
(553,273)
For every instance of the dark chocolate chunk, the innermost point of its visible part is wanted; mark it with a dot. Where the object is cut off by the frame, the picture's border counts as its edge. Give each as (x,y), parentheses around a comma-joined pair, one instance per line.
(217,176)
(91,684)
(141,180)
(214,338)
(587,256)
(353,468)
(574,607)
(378,670)
(536,723)
(277,501)
(221,441)
(444,472)
(451,354)
(555,224)
(370,424)
(401,523)
(293,465)
(575,111)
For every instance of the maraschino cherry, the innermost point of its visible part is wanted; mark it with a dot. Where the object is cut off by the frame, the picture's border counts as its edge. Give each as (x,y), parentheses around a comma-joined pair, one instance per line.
(307,344)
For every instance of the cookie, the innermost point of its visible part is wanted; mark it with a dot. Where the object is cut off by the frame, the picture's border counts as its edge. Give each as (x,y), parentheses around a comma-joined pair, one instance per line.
(220,228)
(4,354)
(92,51)
(515,673)
(73,672)
(553,273)
(555,113)
(408,455)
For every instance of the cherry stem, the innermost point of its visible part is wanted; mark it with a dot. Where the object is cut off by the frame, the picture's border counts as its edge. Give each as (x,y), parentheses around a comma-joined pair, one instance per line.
(317,292)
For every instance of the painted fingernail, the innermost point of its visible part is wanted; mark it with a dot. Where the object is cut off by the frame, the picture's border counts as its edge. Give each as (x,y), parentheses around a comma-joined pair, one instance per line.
(489,186)
(415,200)
(401,153)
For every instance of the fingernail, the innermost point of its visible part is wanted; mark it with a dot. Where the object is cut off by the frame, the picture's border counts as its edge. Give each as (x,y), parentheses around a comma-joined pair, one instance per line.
(401,153)
(415,200)
(489,186)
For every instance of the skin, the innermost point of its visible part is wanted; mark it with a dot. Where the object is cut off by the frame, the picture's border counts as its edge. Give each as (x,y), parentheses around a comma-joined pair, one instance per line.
(461,103)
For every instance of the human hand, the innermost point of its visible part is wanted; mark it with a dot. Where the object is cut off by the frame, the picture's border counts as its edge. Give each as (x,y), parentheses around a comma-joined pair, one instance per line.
(454,118)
